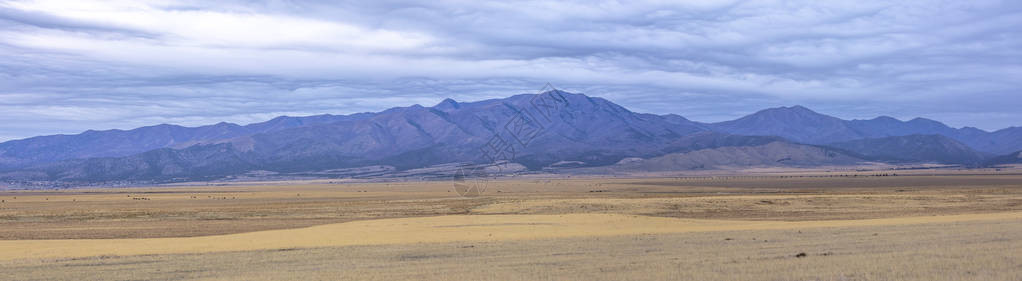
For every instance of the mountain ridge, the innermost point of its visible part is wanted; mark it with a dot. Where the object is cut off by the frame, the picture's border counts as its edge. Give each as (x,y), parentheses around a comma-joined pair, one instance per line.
(553,127)
(116,142)
(803,125)
(586,129)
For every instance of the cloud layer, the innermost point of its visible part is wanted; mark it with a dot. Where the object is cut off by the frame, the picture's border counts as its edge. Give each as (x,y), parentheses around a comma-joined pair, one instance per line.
(68,66)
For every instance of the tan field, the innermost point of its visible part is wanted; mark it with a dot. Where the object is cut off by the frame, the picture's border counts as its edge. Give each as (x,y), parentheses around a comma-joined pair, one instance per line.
(949,226)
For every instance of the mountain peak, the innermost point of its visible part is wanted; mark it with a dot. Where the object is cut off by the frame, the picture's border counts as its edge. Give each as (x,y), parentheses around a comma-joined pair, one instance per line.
(787,112)
(672,116)
(928,122)
(787,108)
(447,105)
(796,123)
(921,119)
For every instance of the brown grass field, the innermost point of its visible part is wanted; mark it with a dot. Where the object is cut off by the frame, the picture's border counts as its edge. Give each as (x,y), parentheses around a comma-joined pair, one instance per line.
(955,225)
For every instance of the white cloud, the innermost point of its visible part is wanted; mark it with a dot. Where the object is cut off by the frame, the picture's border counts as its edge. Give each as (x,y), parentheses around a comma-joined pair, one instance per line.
(229,30)
(131,63)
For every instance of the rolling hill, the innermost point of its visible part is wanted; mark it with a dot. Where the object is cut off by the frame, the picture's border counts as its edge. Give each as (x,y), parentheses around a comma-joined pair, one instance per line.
(777,153)
(1012,158)
(914,148)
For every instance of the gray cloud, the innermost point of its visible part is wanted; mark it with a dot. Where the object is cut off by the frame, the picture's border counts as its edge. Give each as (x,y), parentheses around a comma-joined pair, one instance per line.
(70,66)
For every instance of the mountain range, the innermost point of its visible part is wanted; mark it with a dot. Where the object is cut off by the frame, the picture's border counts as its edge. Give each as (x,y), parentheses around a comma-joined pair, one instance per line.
(803,125)
(536,131)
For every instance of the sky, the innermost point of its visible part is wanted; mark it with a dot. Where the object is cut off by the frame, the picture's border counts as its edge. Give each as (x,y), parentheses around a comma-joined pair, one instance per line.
(70,66)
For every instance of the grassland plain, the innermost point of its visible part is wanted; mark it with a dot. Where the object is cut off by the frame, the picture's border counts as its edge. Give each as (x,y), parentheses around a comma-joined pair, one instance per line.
(215,210)
(435,230)
(962,250)
(850,228)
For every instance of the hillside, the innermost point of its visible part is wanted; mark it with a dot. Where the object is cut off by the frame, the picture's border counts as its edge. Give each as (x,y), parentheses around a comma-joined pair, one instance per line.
(773,154)
(914,148)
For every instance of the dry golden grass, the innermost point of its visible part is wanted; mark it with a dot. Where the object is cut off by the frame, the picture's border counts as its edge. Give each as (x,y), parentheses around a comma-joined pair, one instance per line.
(433,230)
(767,207)
(197,211)
(215,210)
(953,226)
(964,250)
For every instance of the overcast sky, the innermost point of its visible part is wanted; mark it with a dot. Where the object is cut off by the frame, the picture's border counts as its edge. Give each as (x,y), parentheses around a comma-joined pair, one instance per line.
(69,66)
